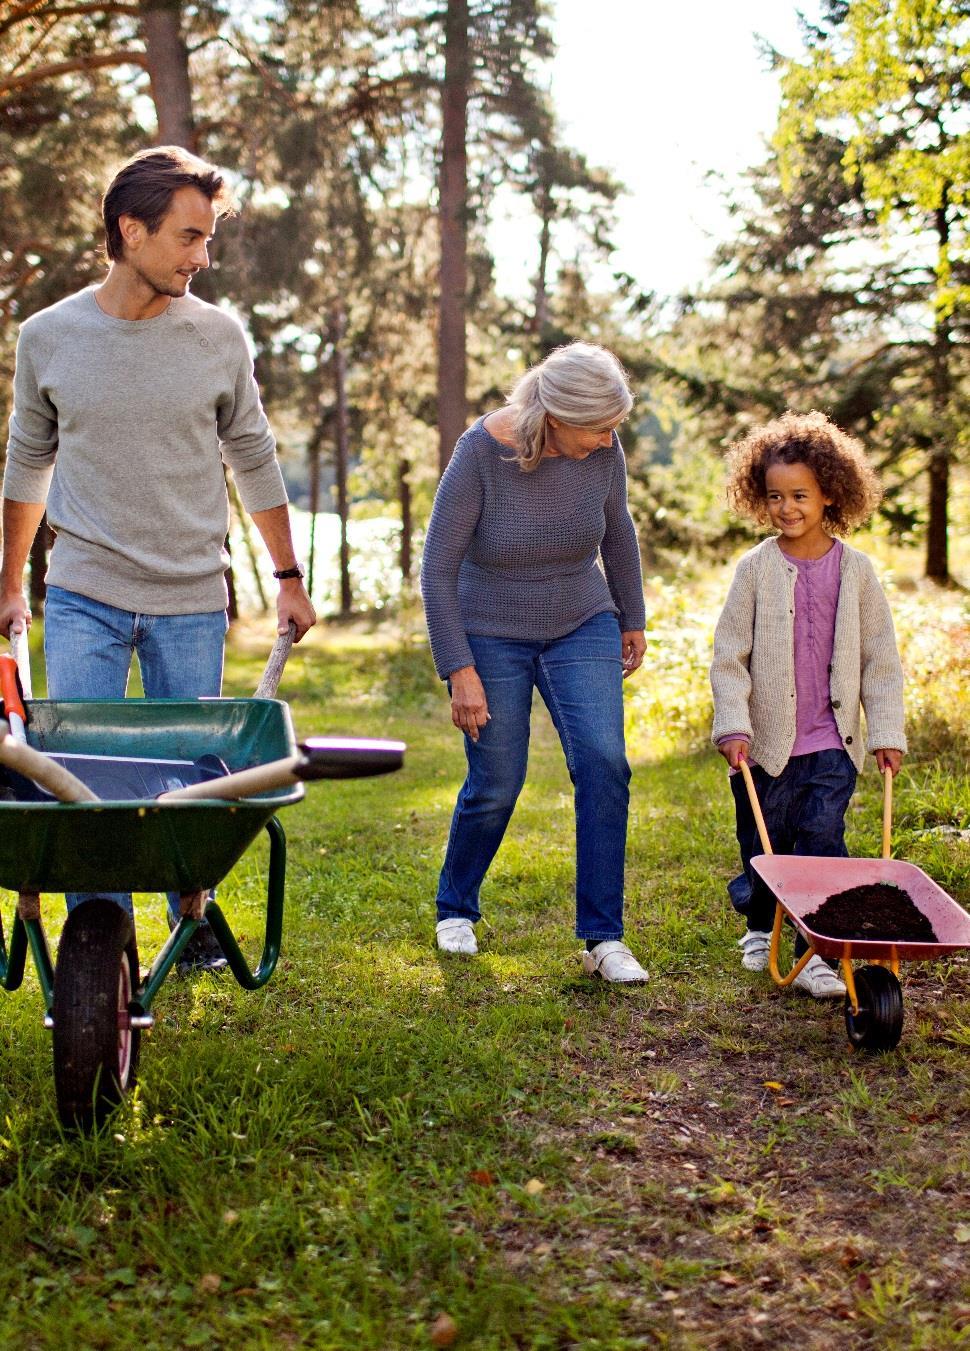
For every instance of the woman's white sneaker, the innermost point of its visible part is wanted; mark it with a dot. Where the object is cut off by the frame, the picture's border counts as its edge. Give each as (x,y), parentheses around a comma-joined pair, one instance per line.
(614,962)
(456,935)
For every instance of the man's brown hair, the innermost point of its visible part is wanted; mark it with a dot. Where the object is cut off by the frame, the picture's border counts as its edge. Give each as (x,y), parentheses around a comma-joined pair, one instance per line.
(145,186)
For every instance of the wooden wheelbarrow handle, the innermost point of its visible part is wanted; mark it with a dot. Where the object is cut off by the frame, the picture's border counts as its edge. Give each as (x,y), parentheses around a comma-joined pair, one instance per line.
(759,819)
(887,808)
(270,679)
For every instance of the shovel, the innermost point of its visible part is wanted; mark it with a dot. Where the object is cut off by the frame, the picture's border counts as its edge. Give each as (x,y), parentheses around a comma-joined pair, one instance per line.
(318,758)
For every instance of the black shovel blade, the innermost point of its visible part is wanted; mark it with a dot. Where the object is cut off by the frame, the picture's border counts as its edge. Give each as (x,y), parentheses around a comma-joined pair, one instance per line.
(349,758)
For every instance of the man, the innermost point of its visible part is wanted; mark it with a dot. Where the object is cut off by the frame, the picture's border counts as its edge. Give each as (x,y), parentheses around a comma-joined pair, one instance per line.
(128,397)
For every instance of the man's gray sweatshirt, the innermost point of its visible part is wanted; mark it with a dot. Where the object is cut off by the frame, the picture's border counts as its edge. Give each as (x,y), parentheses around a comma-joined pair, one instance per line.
(122,428)
(517,555)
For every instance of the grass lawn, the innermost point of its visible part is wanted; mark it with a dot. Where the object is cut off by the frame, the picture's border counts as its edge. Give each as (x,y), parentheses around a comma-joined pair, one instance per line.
(389,1149)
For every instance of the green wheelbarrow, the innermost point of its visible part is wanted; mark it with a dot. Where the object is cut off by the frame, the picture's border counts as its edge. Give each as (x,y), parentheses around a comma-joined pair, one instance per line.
(222,769)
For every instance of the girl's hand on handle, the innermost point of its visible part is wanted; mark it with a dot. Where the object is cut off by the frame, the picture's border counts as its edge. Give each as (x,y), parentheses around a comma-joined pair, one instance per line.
(634,645)
(734,752)
(469,707)
(892,759)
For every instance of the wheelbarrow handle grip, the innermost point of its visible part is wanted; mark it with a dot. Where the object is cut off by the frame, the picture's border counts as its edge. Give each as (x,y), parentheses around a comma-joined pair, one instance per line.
(21,655)
(270,679)
(755,807)
(13,704)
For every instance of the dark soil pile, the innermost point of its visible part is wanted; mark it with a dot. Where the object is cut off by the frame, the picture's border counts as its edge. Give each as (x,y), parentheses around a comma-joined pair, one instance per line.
(877,911)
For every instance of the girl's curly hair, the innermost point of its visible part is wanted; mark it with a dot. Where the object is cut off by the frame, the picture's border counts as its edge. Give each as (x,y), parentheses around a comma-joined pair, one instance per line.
(837,460)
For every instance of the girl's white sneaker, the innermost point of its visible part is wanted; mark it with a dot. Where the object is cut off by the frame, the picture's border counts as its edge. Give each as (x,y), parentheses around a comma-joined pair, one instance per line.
(456,935)
(755,946)
(819,980)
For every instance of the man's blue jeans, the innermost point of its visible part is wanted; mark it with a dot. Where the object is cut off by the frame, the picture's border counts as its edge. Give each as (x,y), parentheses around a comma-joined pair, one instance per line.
(88,648)
(580,678)
(804,809)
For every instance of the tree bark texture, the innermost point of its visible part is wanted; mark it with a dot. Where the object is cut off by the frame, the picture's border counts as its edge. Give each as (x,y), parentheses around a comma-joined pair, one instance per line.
(453,230)
(168,70)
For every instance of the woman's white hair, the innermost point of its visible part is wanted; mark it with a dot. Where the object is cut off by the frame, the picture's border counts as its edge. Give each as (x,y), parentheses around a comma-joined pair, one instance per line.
(581,384)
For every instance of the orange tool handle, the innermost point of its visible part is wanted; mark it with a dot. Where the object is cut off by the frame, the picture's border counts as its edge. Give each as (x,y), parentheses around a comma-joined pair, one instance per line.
(10,688)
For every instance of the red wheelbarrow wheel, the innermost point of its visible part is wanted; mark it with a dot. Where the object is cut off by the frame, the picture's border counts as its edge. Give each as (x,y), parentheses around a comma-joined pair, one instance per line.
(879,1023)
(95,1048)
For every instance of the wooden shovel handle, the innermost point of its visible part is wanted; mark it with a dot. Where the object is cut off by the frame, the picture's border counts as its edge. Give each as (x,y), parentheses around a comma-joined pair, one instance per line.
(887,809)
(44,771)
(755,807)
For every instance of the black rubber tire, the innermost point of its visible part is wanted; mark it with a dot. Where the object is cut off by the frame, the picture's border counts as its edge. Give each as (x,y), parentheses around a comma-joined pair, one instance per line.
(879,1023)
(95,1055)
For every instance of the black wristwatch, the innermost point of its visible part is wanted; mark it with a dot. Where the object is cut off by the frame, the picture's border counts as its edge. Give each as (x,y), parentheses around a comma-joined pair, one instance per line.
(283,574)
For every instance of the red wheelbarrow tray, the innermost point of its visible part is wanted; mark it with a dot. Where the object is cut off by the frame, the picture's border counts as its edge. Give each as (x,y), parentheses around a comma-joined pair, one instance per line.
(802,883)
(144,845)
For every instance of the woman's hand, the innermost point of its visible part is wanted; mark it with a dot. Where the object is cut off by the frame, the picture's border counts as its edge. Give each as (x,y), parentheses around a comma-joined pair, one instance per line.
(469,707)
(634,643)
(734,752)
(891,758)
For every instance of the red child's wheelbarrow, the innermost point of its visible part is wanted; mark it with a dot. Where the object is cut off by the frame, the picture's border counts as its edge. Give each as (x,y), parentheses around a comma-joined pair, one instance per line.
(874,997)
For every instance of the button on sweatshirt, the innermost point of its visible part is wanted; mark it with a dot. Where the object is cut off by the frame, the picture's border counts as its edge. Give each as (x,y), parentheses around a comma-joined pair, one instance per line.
(517,555)
(122,428)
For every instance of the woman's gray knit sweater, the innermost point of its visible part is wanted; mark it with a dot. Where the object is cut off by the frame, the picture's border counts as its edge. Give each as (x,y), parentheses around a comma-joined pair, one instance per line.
(518,555)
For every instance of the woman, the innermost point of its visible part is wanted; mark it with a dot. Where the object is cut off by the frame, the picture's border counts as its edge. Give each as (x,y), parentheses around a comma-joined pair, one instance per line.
(533,500)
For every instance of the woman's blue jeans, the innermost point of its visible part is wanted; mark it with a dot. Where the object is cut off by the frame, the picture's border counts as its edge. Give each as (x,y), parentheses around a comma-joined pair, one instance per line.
(580,678)
(88,649)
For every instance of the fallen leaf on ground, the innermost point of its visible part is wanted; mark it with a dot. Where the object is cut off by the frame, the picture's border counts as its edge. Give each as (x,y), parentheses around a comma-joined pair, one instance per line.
(209,1283)
(444,1330)
(481,1177)
(774,1085)
(962,1233)
(533,1187)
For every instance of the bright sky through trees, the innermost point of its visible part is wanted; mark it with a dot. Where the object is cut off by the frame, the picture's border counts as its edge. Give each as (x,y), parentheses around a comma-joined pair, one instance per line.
(662,95)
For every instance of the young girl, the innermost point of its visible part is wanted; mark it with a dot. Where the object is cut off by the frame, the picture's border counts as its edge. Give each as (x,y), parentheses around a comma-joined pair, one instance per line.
(804,638)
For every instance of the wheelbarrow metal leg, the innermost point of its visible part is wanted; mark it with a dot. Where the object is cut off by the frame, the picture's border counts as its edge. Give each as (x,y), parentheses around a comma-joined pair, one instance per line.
(12,963)
(775,948)
(252,980)
(851,997)
(163,963)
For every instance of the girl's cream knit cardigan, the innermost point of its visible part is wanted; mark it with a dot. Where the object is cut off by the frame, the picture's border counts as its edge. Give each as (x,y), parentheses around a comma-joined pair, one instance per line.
(753,672)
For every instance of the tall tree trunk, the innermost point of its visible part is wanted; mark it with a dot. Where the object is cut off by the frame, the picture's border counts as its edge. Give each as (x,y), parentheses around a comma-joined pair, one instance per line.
(313,455)
(453,228)
(168,70)
(937,556)
(540,314)
(341,450)
(404,498)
